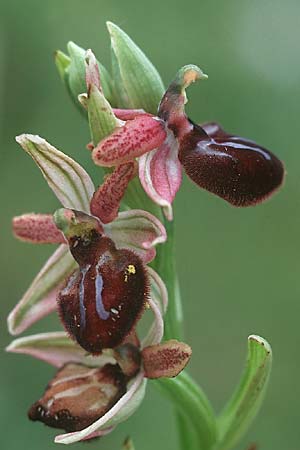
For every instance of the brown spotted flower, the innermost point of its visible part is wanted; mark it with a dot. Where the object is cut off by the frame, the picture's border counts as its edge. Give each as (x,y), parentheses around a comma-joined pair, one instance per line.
(236,169)
(89,395)
(100,285)
(134,231)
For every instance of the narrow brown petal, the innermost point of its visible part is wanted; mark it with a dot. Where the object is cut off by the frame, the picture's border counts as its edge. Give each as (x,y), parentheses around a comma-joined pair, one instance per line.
(165,360)
(106,200)
(78,395)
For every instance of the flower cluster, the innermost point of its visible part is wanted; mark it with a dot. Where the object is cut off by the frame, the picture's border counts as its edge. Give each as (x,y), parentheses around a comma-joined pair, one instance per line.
(99,279)
(98,282)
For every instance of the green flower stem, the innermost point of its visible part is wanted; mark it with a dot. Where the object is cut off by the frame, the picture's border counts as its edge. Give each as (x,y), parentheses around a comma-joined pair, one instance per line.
(184,392)
(187,434)
(166,267)
(194,415)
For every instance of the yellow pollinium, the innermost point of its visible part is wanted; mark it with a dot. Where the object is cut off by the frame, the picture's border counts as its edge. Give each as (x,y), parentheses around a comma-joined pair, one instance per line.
(130,270)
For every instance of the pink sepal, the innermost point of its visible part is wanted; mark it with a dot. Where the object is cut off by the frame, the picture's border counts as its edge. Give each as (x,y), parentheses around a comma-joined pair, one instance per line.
(40,299)
(37,228)
(161,174)
(137,230)
(106,200)
(136,137)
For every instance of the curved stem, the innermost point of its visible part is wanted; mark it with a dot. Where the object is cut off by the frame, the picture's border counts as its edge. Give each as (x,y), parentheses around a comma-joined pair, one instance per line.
(166,267)
(194,415)
(185,394)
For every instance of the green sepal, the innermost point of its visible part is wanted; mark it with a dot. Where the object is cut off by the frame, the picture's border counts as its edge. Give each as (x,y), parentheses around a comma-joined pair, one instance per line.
(102,120)
(73,73)
(244,405)
(137,82)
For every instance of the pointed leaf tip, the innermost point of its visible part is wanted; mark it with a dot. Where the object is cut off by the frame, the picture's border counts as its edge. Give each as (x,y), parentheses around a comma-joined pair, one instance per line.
(245,403)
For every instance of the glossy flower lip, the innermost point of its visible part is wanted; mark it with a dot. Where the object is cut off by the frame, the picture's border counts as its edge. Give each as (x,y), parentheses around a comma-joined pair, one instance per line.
(58,350)
(236,169)
(100,303)
(77,396)
(136,230)
(166,359)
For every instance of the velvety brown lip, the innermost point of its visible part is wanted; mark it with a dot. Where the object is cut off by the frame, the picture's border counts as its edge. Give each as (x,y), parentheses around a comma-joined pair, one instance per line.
(101,302)
(231,167)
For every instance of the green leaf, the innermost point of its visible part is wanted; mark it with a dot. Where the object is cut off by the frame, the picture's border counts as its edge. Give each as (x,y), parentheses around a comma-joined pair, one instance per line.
(68,180)
(237,416)
(137,82)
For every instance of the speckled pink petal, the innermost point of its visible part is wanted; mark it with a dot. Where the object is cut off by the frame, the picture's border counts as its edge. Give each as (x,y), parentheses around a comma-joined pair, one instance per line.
(57,349)
(120,412)
(40,299)
(165,360)
(161,174)
(136,137)
(106,200)
(37,228)
(137,230)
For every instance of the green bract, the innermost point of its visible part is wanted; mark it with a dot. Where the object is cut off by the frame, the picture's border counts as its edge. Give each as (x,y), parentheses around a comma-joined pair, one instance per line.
(137,82)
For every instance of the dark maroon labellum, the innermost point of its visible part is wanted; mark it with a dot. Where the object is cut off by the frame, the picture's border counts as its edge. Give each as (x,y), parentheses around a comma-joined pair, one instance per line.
(101,302)
(234,168)
(78,396)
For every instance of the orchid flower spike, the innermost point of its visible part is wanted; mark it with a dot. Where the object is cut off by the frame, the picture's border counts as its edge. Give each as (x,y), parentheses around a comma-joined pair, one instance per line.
(100,284)
(236,169)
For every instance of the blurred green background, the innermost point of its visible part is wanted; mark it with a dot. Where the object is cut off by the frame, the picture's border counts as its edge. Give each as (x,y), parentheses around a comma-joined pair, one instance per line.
(239,269)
